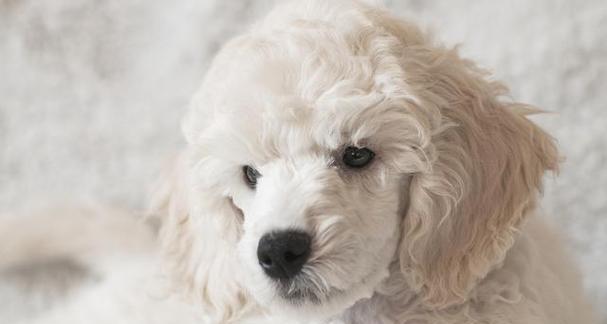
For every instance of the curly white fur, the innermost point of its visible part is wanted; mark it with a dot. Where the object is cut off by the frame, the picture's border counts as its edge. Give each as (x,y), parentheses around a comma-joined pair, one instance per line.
(459,170)
(441,228)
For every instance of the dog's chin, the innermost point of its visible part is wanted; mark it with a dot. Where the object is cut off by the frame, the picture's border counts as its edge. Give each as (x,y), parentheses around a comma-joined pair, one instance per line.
(302,298)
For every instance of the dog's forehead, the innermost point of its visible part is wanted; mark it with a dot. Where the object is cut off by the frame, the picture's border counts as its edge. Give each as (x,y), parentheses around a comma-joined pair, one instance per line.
(278,94)
(289,125)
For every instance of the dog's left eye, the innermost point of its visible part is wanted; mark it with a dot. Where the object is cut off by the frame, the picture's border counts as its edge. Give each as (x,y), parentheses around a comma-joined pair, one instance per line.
(357,157)
(250,176)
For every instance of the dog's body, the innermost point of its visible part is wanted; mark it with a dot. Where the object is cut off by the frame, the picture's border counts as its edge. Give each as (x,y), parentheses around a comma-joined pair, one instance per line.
(343,168)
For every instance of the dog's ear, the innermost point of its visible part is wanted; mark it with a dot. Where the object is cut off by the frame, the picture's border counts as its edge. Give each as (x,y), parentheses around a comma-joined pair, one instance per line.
(199,232)
(485,166)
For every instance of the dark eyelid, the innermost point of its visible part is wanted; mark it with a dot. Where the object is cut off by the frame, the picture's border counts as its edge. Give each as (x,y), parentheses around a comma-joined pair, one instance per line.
(250,176)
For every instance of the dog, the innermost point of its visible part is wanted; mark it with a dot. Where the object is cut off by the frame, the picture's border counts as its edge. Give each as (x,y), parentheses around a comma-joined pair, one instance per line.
(343,167)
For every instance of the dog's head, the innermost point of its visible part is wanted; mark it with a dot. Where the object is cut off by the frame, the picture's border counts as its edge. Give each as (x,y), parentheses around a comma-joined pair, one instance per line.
(333,141)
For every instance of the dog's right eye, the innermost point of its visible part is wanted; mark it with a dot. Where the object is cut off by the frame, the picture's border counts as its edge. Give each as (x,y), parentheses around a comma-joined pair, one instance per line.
(357,157)
(250,176)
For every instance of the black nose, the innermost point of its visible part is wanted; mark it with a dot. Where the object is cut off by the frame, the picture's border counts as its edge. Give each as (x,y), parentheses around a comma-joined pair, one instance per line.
(283,254)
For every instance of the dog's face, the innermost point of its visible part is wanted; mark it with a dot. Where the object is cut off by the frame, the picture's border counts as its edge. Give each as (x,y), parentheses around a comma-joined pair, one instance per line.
(318,184)
(319,199)
(325,155)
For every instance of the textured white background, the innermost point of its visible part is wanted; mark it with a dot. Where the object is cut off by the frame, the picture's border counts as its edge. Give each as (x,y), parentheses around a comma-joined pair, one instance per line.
(91,93)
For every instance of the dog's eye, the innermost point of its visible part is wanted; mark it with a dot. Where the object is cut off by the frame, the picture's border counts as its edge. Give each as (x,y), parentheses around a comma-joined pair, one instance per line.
(250,176)
(356,157)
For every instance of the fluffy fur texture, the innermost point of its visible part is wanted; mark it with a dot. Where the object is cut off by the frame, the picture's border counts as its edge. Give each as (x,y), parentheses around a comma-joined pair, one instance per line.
(440,228)
(423,229)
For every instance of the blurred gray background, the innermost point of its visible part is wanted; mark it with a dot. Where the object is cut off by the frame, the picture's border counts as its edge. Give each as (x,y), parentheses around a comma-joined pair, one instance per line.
(91,94)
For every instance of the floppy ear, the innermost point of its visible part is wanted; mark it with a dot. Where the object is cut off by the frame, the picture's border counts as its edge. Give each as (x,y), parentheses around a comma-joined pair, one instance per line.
(485,168)
(199,233)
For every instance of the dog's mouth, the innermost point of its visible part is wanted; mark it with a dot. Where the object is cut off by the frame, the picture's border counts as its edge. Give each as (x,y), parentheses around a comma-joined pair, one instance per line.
(306,288)
(298,295)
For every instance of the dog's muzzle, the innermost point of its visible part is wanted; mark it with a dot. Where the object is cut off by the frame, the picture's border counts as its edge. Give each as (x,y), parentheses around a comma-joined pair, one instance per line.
(282,254)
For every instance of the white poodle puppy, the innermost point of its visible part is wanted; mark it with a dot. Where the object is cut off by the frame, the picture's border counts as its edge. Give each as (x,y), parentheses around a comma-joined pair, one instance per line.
(344,168)
(342,165)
